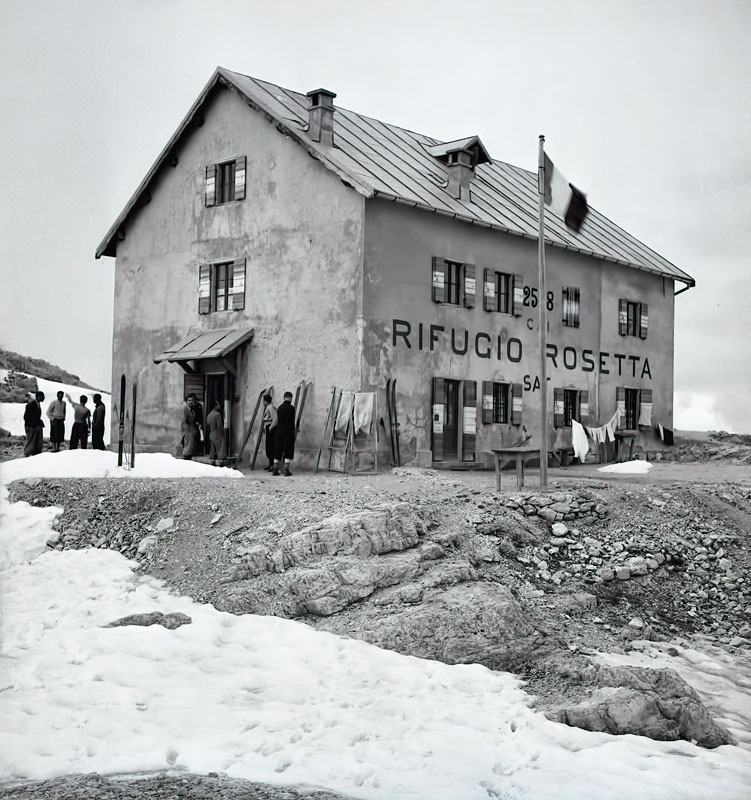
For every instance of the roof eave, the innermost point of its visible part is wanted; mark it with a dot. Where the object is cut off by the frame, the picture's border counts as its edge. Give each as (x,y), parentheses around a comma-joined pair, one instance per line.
(688,281)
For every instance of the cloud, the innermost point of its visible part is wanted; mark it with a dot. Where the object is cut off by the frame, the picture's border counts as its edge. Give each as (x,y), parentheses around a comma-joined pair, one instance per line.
(697,412)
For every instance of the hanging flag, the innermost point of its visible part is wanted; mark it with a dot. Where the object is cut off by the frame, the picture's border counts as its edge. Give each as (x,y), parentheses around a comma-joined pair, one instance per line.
(564,198)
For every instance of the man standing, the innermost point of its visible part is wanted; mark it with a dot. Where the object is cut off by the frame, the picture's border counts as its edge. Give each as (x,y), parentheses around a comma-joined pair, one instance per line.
(188,429)
(56,413)
(97,423)
(81,423)
(34,424)
(285,435)
(217,439)
(269,423)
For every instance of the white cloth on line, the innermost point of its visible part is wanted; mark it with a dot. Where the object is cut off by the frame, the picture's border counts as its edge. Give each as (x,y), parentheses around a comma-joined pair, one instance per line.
(662,432)
(344,414)
(579,440)
(364,409)
(645,415)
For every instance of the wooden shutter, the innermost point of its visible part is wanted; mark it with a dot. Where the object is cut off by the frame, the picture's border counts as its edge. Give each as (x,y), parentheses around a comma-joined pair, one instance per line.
(643,320)
(193,384)
(583,417)
(620,405)
(487,402)
(238,284)
(645,408)
(438,417)
(489,301)
(518,295)
(576,302)
(204,289)
(440,270)
(516,404)
(565,305)
(470,286)
(469,420)
(240,178)
(210,197)
(558,410)
(622,317)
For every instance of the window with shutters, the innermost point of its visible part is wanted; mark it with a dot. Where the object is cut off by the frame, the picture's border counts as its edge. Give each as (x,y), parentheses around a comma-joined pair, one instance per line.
(225,182)
(221,286)
(453,282)
(633,318)
(570,404)
(571,306)
(498,291)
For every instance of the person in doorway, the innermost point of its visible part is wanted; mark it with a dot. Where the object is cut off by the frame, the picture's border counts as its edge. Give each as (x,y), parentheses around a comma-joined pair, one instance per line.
(188,429)
(34,424)
(269,422)
(217,439)
(200,426)
(97,423)
(81,423)
(284,448)
(56,414)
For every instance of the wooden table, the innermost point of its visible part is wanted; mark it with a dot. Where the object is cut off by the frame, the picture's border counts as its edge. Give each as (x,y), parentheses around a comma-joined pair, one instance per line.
(519,455)
(621,438)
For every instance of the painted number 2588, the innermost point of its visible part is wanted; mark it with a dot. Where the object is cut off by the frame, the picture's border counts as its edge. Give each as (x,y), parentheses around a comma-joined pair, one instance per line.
(530,298)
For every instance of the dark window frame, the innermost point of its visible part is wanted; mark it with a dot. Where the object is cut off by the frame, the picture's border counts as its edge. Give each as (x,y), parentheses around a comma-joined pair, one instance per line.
(570,406)
(225,181)
(501,403)
(504,299)
(633,318)
(222,283)
(632,407)
(571,304)
(454,289)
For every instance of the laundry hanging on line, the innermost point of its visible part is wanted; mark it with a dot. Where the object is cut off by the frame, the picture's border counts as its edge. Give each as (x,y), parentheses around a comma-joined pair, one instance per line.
(606,432)
(579,440)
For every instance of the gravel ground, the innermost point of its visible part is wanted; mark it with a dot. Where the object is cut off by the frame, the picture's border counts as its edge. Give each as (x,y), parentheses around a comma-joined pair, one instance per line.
(159,787)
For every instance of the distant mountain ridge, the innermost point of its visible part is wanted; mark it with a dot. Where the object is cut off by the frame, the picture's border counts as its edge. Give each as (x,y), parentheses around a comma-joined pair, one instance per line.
(40,368)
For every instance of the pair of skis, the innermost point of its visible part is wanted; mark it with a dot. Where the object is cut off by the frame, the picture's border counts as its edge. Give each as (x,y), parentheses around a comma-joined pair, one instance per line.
(249,429)
(300,397)
(396,456)
(121,426)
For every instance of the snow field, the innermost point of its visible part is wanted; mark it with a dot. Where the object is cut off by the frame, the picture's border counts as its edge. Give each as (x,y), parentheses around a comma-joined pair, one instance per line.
(273,700)
(11,414)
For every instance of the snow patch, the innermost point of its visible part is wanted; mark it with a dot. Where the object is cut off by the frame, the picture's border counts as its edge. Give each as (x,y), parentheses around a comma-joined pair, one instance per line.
(103,464)
(628,468)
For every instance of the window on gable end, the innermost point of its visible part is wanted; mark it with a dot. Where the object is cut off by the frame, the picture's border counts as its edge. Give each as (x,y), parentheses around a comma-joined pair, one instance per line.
(225,181)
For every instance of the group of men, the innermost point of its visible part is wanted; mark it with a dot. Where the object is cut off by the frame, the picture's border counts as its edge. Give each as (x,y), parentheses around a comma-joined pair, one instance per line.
(83,423)
(278,426)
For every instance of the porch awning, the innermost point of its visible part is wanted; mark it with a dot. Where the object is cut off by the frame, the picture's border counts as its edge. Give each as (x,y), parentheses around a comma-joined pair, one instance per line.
(206,344)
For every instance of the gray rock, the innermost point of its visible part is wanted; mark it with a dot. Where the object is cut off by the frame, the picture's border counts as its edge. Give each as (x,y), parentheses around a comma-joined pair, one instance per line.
(638,566)
(606,573)
(169,621)
(622,573)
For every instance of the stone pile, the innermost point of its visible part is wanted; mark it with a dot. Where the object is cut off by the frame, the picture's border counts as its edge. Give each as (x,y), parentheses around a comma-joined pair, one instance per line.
(557,506)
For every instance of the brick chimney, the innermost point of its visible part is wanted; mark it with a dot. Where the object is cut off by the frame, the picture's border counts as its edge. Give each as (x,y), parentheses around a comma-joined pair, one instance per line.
(321,116)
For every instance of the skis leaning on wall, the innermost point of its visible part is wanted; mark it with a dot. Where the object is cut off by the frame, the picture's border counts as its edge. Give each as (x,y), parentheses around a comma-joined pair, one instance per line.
(121,427)
(133,426)
(395,424)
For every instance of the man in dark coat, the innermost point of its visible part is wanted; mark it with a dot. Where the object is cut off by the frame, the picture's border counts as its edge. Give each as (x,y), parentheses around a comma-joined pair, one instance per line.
(97,423)
(285,435)
(188,430)
(217,439)
(34,424)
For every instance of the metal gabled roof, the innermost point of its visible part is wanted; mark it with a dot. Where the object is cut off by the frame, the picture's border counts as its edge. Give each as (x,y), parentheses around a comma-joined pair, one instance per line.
(379,159)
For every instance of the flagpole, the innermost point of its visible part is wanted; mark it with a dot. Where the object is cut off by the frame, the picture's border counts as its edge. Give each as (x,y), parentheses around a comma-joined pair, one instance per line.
(542,318)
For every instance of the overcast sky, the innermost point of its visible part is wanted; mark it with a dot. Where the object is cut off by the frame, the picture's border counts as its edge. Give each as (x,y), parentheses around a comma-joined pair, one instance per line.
(645,105)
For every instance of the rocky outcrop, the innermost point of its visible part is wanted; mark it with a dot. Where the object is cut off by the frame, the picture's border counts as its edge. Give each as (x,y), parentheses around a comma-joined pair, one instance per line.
(477,623)
(656,703)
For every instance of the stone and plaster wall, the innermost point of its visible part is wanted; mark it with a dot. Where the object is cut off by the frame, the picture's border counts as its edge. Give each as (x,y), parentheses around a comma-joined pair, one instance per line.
(400,243)
(300,230)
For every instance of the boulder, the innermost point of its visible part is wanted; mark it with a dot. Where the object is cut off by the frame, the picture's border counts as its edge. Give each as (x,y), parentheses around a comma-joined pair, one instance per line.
(169,621)
(656,703)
